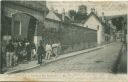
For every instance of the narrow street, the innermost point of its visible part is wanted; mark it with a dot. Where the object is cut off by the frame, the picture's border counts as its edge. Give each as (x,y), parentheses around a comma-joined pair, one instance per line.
(101,60)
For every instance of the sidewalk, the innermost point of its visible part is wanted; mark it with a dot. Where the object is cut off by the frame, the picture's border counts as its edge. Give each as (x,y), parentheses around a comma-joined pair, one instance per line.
(33,64)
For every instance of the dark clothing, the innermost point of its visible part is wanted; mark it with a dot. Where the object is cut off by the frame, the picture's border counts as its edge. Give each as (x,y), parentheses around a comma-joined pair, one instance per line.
(41,50)
(39,59)
(16,48)
(18,52)
(41,53)
(3,51)
(10,47)
(28,49)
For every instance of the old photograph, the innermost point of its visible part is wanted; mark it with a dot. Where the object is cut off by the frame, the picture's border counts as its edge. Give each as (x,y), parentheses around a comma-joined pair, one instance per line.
(63,37)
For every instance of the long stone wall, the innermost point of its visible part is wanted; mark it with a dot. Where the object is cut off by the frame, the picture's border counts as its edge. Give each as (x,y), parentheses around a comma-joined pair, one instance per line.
(76,38)
(73,37)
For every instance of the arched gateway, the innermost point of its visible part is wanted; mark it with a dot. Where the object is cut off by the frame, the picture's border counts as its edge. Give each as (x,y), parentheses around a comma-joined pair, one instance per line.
(24,26)
(20,19)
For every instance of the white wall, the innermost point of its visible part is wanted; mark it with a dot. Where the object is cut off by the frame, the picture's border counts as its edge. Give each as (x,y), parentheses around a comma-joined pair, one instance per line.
(93,23)
(100,35)
(37,40)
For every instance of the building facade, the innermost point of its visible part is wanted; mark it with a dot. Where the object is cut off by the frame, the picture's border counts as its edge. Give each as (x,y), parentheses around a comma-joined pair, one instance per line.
(93,22)
(22,19)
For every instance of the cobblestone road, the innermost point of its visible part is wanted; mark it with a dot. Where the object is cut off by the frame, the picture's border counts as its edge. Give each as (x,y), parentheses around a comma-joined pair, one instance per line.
(96,61)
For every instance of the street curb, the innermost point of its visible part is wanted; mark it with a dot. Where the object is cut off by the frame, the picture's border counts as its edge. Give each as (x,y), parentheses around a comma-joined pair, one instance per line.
(70,56)
(85,51)
(15,71)
(116,63)
(64,56)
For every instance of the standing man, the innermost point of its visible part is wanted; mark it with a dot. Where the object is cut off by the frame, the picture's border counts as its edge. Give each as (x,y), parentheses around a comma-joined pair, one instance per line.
(33,52)
(59,48)
(48,51)
(19,49)
(28,49)
(10,52)
(15,57)
(40,53)
(54,49)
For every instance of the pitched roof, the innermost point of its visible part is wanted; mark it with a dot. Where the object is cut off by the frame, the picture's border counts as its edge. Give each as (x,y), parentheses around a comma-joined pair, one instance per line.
(58,15)
(94,16)
(66,18)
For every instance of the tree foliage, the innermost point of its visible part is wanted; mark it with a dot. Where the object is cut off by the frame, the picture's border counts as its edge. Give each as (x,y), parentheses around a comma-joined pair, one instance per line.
(72,13)
(82,9)
(118,22)
(80,15)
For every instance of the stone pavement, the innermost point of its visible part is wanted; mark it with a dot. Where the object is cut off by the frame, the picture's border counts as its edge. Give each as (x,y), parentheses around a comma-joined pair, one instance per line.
(33,64)
(98,61)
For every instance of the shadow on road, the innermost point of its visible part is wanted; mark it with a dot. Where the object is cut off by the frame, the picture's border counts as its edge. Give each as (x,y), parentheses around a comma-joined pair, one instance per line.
(120,66)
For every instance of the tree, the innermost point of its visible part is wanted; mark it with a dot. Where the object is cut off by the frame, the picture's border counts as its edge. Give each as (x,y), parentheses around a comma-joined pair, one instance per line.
(118,23)
(72,13)
(82,9)
(81,14)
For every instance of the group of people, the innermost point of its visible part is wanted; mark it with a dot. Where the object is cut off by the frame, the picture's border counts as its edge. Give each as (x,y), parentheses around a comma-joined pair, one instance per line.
(45,51)
(17,51)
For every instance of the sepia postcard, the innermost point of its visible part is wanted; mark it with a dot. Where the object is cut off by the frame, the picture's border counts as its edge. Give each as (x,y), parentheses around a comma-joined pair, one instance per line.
(63,41)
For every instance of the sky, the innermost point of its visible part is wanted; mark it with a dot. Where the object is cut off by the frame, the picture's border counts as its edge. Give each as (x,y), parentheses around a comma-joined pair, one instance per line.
(108,7)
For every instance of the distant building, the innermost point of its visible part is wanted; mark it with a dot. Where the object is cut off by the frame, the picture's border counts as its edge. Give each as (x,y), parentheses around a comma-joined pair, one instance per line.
(94,22)
(59,17)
